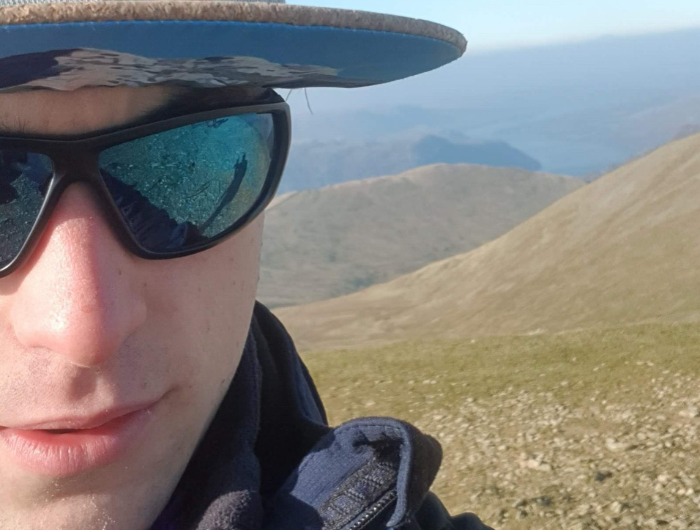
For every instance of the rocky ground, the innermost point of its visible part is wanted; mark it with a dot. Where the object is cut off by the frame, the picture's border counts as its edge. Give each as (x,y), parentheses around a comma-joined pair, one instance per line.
(570,439)
(529,460)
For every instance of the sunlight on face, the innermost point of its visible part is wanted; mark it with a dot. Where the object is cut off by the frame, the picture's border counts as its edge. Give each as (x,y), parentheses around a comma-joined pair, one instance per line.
(89,332)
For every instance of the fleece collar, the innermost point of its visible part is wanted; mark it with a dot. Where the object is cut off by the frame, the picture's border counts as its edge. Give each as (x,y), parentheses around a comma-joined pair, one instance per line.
(269,461)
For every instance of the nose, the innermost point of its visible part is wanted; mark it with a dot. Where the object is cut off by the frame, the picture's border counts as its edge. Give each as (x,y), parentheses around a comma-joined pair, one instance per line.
(78,296)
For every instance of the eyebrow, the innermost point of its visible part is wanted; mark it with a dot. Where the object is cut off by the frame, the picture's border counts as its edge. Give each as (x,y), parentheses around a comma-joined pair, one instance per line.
(174,103)
(19,124)
(186,101)
(200,99)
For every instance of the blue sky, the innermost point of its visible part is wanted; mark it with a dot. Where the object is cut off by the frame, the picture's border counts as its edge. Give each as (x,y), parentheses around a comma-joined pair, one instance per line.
(490,24)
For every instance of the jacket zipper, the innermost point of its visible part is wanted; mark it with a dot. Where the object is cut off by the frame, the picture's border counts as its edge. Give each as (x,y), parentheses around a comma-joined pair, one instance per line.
(375,511)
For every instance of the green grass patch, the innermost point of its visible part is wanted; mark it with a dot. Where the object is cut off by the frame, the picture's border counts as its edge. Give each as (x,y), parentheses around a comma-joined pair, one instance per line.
(410,379)
(611,401)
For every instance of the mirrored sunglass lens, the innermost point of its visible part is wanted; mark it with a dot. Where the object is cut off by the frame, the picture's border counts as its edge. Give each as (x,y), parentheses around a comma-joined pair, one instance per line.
(24,180)
(180,188)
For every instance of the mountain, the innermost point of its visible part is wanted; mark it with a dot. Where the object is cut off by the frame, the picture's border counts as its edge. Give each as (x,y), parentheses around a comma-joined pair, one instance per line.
(577,108)
(324,243)
(316,164)
(622,250)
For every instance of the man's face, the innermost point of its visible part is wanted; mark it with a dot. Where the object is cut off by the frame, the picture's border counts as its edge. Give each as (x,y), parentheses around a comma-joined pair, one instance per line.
(88,330)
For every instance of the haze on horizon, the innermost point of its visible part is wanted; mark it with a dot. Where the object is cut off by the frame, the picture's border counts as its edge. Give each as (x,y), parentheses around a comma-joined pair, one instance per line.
(569,99)
(499,24)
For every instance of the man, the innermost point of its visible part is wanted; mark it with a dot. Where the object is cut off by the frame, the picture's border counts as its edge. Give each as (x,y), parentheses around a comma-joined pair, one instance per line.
(141,385)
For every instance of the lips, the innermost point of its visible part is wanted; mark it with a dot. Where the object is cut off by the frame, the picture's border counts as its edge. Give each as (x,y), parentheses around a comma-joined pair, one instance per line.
(82,423)
(70,446)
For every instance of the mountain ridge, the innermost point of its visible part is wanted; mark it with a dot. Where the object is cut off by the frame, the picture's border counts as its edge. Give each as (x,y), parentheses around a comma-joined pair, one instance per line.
(618,251)
(577,108)
(317,164)
(323,243)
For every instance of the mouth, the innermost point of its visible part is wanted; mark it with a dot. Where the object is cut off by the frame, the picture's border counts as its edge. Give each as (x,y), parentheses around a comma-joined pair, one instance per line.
(60,431)
(80,423)
(70,446)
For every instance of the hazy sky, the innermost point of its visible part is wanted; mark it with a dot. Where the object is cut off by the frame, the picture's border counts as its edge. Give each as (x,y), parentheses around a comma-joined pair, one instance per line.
(489,24)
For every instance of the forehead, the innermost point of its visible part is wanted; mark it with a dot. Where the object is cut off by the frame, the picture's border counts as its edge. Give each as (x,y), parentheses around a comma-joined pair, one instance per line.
(53,112)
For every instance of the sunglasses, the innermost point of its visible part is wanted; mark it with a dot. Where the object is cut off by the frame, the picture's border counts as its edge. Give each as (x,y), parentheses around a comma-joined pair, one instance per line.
(169,188)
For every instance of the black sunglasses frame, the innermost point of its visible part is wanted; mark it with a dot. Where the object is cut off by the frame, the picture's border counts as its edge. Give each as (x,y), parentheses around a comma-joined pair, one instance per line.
(76,159)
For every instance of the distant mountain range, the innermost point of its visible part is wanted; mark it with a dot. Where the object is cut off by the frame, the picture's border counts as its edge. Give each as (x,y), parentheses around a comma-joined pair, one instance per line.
(577,109)
(621,250)
(323,243)
(314,164)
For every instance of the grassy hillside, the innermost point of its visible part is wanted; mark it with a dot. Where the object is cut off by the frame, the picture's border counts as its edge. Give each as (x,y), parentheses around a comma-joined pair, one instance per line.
(580,430)
(622,250)
(325,243)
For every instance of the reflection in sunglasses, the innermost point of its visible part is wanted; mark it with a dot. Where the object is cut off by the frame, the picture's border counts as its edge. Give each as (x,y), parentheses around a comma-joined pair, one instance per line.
(152,226)
(240,171)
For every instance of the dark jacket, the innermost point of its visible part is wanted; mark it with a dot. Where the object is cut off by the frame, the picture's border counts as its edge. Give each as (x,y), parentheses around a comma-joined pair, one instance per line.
(269,460)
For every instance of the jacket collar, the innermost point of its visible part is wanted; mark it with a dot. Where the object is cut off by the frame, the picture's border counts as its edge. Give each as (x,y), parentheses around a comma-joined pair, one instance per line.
(269,460)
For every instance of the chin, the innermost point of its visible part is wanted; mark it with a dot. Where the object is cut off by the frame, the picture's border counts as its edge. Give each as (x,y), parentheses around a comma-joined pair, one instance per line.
(127,494)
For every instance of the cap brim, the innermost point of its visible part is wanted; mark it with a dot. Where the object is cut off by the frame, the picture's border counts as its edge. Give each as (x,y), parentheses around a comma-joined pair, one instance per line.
(69,45)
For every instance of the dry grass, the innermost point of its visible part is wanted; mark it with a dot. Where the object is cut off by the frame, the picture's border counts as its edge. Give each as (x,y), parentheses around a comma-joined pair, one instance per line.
(573,400)
(622,250)
(590,429)
(339,239)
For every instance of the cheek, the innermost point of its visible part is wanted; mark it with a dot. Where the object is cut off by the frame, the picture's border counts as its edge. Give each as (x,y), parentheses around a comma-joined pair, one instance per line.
(200,308)
(202,304)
